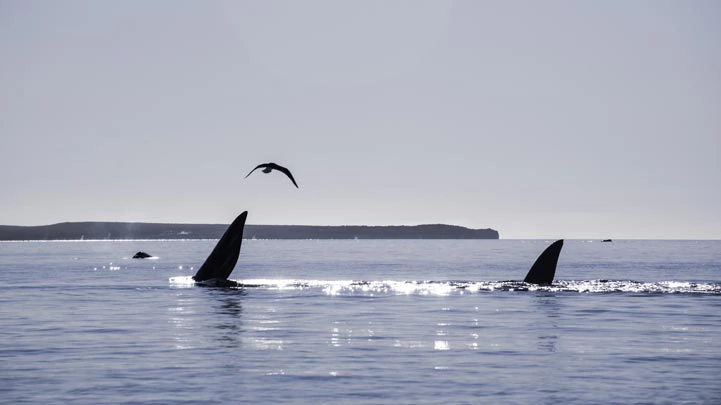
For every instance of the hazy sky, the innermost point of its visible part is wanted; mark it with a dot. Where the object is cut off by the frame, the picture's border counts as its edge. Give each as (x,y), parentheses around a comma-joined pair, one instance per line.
(574,119)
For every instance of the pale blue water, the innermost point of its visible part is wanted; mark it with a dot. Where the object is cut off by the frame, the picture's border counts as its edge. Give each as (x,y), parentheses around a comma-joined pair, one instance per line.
(81,323)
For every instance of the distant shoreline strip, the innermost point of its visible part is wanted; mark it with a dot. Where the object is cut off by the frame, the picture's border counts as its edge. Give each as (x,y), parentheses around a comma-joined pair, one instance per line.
(99,231)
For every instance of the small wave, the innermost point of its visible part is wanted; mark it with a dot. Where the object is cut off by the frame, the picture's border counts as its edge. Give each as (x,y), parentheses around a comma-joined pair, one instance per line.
(349,287)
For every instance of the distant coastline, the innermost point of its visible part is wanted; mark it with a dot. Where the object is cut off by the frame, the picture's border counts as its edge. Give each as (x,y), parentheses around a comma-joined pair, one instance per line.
(144,230)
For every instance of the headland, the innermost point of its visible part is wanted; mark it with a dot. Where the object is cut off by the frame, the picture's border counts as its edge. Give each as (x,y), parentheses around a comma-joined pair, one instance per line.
(145,230)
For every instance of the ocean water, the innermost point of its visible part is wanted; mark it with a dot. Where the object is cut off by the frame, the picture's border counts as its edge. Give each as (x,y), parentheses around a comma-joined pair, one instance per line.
(361,322)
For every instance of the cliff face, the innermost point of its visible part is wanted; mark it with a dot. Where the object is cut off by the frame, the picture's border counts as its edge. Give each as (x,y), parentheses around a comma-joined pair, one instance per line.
(137,230)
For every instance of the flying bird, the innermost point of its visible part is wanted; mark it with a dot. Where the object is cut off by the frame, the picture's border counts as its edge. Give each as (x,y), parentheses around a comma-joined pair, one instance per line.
(269,167)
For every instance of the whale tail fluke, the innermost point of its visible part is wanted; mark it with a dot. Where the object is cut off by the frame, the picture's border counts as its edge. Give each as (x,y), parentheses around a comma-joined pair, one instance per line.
(544,269)
(221,261)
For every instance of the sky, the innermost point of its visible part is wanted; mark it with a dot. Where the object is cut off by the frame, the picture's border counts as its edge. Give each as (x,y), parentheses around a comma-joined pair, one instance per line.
(554,119)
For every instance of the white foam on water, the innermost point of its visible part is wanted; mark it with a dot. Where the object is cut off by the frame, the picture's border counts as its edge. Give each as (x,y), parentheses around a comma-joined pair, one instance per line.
(442,288)
(182,281)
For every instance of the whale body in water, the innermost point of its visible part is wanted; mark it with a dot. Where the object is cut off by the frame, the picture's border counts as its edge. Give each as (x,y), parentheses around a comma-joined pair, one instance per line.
(222,260)
(141,255)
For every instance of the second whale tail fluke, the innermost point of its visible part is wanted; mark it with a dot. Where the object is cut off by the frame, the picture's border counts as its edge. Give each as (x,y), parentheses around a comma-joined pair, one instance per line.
(221,261)
(544,269)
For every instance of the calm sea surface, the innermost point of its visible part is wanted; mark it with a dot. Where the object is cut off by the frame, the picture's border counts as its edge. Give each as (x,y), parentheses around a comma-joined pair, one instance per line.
(361,322)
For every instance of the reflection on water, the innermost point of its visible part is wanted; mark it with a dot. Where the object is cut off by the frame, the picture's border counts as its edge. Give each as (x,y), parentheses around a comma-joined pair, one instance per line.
(179,316)
(548,307)
(191,313)
(547,343)
(229,308)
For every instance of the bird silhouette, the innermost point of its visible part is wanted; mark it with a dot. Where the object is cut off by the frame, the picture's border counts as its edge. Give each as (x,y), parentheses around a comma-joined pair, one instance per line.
(269,167)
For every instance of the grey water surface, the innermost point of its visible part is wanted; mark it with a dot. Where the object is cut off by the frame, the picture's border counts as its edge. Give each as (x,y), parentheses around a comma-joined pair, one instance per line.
(361,322)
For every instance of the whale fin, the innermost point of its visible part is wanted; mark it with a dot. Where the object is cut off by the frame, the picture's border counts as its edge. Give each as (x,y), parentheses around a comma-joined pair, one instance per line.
(221,261)
(544,269)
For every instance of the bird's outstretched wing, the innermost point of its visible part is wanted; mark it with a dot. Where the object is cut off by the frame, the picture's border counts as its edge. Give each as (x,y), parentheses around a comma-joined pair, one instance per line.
(256,167)
(286,172)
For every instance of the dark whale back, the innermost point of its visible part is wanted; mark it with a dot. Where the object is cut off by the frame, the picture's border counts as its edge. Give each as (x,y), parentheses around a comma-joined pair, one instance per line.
(221,261)
(544,269)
